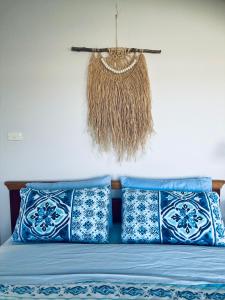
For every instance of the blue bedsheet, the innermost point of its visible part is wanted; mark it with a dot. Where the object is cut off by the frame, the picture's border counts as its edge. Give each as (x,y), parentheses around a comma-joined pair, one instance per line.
(89,271)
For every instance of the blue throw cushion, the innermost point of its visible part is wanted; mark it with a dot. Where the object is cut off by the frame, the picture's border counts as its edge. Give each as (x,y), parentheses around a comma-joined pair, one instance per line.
(172,217)
(75,215)
(189,184)
(85,183)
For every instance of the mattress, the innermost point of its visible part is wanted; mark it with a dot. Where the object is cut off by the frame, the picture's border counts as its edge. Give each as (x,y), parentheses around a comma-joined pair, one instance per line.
(111,271)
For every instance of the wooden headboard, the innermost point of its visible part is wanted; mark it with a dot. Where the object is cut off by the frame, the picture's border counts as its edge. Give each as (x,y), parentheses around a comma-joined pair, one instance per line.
(15,186)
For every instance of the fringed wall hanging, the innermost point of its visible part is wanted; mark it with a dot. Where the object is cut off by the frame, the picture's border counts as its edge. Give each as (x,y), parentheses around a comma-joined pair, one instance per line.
(119,102)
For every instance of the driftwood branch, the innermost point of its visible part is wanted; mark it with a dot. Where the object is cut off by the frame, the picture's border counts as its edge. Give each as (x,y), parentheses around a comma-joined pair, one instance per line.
(84,49)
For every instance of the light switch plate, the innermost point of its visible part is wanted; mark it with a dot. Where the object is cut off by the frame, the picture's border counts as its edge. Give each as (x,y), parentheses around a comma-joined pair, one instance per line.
(15,136)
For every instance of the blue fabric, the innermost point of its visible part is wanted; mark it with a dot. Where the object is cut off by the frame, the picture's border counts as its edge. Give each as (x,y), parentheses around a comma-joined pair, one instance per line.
(191,184)
(110,290)
(86,183)
(172,217)
(115,234)
(78,215)
(104,271)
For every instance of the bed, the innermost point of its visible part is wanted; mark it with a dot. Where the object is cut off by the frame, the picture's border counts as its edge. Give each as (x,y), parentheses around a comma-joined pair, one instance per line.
(109,271)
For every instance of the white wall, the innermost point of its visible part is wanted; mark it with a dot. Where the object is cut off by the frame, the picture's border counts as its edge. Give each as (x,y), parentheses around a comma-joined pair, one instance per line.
(43,87)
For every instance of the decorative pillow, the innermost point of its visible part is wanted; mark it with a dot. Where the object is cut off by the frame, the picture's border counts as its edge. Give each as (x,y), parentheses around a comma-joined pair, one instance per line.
(76,215)
(189,184)
(77,184)
(172,218)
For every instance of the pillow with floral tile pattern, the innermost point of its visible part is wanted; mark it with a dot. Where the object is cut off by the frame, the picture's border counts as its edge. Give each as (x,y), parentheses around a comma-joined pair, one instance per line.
(172,217)
(75,215)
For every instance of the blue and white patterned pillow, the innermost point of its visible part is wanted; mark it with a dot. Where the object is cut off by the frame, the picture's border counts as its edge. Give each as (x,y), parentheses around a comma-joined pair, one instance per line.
(75,215)
(172,217)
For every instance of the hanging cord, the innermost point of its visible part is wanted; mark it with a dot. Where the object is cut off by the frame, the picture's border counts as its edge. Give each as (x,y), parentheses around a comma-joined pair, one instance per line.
(116,23)
(85,49)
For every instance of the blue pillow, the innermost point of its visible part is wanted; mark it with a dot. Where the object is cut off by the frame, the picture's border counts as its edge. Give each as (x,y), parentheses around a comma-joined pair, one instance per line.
(75,215)
(172,217)
(189,184)
(86,183)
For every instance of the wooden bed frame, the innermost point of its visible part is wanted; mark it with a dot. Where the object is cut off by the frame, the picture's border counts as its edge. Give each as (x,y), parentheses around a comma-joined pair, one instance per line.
(15,186)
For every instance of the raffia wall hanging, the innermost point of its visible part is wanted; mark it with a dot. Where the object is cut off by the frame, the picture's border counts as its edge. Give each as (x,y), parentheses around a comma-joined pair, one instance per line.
(119,102)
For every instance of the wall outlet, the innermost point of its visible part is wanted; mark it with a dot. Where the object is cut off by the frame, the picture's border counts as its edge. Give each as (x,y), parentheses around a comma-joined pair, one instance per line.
(15,136)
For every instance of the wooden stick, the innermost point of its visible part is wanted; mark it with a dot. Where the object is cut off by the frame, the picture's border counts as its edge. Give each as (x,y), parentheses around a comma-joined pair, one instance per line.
(84,49)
